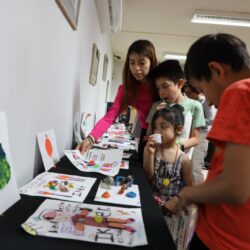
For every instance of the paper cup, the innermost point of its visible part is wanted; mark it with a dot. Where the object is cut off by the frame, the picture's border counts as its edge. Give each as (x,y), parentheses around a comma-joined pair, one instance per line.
(157,138)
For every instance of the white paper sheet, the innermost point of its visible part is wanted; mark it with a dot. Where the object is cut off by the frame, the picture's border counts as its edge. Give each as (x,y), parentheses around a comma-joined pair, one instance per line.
(105,162)
(79,221)
(8,186)
(48,148)
(59,186)
(117,198)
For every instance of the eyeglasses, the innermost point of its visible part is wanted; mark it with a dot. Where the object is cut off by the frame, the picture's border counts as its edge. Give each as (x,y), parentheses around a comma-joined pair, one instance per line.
(194,89)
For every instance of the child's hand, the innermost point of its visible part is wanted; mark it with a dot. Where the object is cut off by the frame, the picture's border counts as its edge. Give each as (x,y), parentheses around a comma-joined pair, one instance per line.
(150,148)
(170,205)
(179,202)
(151,145)
(161,106)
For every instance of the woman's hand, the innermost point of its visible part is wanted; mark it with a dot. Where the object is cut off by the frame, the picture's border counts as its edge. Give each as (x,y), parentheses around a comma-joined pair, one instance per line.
(85,145)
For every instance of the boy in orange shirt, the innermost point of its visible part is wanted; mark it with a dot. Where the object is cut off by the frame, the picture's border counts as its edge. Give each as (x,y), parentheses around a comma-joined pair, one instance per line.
(219,66)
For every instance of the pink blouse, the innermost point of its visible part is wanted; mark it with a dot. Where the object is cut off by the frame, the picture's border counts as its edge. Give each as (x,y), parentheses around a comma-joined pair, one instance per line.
(142,104)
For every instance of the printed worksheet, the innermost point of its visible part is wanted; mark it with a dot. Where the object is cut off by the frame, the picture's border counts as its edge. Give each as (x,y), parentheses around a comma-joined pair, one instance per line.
(59,186)
(85,222)
(105,162)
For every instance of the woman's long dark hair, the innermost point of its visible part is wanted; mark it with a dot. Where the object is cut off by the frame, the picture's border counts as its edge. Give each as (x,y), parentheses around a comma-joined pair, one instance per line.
(143,48)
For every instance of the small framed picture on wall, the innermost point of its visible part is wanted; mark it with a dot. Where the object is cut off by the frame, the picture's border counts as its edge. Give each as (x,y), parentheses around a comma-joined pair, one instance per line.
(94,65)
(70,9)
(105,67)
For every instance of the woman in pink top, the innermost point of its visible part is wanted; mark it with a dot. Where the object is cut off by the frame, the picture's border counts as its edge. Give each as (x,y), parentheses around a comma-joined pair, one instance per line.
(136,90)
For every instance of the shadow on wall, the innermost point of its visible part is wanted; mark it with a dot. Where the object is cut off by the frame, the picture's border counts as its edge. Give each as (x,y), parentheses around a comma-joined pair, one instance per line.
(38,163)
(76,109)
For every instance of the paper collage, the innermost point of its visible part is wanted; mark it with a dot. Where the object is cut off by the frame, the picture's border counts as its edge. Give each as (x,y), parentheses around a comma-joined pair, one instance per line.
(48,148)
(85,222)
(8,186)
(59,186)
(105,162)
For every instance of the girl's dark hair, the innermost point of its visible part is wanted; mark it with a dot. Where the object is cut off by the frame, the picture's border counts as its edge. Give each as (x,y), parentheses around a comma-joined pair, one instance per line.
(221,48)
(143,48)
(173,115)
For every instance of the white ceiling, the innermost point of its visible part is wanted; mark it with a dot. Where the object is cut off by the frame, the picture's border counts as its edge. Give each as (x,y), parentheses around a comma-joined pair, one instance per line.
(166,23)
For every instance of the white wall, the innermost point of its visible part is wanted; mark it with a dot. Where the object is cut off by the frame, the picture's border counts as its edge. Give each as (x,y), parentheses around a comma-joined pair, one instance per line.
(116,78)
(44,72)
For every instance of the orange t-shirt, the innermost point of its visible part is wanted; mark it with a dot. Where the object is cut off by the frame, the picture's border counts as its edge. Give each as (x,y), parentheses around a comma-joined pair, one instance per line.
(227,226)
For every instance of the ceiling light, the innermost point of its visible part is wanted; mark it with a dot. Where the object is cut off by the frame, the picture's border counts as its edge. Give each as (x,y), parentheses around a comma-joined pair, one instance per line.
(221,18)
(175,57)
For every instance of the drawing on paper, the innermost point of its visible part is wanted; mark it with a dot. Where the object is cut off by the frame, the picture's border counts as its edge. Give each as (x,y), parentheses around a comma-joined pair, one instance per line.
(8,186)
(48,148)
(79,221)
(5,172)
(105,162)
(60,186)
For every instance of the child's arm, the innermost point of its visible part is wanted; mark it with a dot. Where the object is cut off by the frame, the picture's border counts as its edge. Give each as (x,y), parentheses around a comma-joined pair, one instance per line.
(231,186)
(148,157)
(187,173)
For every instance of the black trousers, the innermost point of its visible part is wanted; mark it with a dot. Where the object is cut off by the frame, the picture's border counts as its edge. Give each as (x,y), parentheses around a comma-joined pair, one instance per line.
(197,244)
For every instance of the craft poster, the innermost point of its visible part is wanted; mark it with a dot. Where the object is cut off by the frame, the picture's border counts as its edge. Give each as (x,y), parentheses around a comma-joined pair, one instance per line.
(106,162)
(59,186)
(85,222)
(48,148)
(8,186)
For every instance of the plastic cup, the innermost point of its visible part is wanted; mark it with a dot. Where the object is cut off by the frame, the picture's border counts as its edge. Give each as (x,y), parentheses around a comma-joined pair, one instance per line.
(157,138)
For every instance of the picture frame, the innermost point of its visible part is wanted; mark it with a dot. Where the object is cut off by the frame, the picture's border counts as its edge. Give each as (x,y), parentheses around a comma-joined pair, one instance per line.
(70,9)
(94,65)
(105,67)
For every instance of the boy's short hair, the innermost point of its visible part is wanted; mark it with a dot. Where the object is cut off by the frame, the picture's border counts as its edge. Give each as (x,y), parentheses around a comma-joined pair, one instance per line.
(221,48)
(170,69)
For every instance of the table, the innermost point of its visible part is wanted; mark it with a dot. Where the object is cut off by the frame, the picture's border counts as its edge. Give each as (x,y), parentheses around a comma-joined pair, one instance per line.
(12,236)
